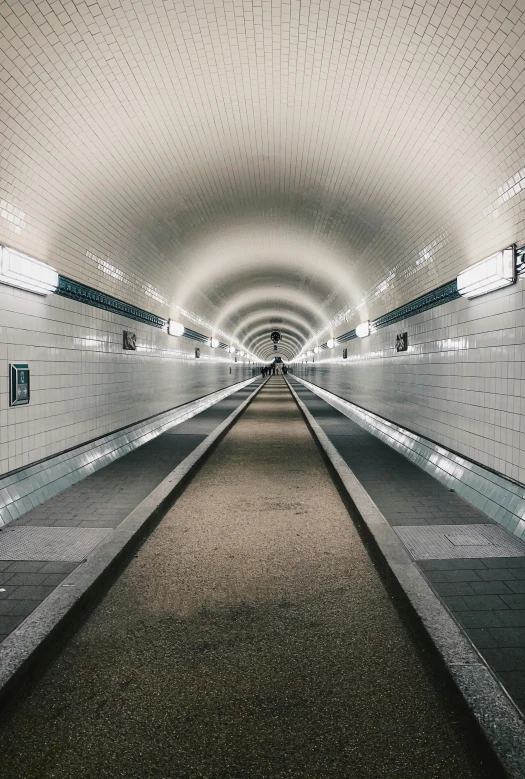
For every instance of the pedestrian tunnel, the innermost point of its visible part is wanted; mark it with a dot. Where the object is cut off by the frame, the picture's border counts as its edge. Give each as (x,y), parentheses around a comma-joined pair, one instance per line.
(262,416)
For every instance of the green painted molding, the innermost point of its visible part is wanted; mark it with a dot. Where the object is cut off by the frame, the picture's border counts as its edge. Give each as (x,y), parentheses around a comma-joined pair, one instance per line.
(75,290)
(435,297)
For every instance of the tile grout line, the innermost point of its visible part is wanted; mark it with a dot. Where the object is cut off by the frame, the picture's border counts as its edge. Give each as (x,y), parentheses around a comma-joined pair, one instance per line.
(22,648)
(486,698)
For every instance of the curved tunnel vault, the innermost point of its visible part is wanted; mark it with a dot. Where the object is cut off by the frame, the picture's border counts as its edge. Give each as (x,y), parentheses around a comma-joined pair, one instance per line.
(199,173)
(296,159)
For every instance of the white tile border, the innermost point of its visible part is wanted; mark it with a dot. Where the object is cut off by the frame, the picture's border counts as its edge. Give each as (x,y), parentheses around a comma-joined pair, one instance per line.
(500,499)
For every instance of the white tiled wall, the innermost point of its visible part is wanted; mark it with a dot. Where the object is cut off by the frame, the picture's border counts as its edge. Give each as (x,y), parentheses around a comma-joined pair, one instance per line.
(461,383)
(83,385)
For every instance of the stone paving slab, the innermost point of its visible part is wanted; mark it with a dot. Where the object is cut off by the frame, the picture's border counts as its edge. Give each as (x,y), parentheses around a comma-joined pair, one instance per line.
(442,542)
(90,509)
(486,595)
(15,574)
(49,543)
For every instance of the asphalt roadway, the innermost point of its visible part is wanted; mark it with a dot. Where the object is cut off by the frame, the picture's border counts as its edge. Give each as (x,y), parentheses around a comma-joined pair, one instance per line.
(250,637)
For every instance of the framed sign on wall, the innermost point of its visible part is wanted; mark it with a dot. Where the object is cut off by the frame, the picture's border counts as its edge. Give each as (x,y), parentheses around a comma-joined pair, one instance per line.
(129,340)
(18,384)
(401,342)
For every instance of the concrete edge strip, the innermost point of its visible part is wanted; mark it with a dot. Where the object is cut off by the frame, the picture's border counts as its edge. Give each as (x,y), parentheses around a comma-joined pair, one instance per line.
(494,711)
(22,648)
(39,482)
(497,496)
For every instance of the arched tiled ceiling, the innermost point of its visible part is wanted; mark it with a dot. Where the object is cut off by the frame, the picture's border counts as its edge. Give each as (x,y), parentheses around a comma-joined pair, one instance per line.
(261,344)
(299,158)
(267,321)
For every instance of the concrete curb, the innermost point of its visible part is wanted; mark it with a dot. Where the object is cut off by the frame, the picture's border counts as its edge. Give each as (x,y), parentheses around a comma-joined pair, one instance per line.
(495,713)
(38,633)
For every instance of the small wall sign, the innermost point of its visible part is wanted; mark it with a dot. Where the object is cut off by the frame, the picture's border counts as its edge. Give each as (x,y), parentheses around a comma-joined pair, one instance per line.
(345,354)
(129,340)
(18,384)
(197,351)
(401,342)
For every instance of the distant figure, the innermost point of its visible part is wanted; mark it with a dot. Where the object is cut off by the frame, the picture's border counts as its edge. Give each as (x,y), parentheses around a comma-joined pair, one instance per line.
(285,370)
(274,369)
(263,371)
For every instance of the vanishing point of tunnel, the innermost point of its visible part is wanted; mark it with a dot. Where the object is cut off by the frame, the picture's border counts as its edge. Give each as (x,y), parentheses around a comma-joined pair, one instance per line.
(262,389)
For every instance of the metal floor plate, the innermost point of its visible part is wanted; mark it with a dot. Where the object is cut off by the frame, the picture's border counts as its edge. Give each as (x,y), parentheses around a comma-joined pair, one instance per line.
(53,544)
(443,542)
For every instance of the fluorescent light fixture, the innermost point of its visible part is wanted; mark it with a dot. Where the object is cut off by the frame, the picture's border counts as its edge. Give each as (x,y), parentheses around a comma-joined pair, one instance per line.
(175,328)
(232,350)
(19,270)
(214,343)
(317,349)
(495,272)
(330,343)
(363,329)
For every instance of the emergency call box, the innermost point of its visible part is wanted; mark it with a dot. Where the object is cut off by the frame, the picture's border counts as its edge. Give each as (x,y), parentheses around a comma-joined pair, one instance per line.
(19,385)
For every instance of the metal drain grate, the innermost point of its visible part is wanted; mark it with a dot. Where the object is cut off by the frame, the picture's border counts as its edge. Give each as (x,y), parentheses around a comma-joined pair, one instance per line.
(53,544)
(442,542)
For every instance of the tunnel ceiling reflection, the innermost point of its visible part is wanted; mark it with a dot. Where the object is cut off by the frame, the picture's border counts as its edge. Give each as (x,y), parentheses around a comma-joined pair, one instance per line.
(311,163)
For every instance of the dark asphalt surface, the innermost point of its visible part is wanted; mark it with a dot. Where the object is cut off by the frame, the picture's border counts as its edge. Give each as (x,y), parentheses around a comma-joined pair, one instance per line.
(250,637)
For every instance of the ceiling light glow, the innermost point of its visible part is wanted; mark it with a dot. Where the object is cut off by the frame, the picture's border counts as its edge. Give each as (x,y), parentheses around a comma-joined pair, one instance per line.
(23,272)
(363,329)
(494,272)
(317,349)
(330,343)
(214,343)
(175,328)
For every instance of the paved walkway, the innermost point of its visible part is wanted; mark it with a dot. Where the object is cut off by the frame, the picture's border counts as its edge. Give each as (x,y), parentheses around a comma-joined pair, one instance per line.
(484,589)
(251,637)
(96,505)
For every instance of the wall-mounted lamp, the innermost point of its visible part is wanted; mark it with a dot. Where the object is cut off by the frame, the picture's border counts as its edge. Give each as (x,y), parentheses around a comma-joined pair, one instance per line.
(231,349)
(175,328)
(330,343)
(19,270)
(214,343)
(495,272)
(363,329)
(317,349)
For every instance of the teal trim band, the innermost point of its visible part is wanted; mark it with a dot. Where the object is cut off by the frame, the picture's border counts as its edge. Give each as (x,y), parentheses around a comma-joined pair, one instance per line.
(195,336)
(435,297)
(74,290)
